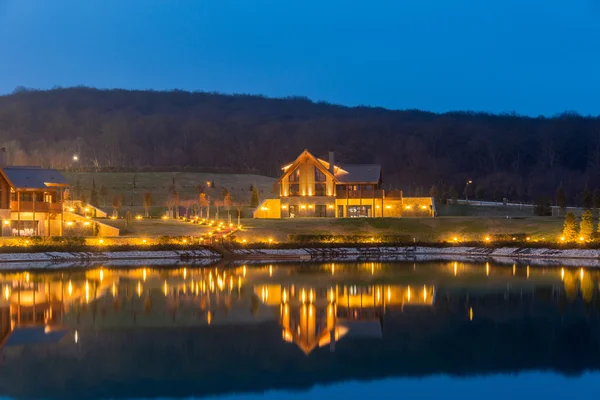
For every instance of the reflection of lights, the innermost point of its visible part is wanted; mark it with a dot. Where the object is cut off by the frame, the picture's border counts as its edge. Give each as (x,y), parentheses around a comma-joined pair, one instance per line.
(562,274)
(114,290)
(310,296)
(408,293)
(424,293)
(514,269)
(487,269)
(471,314)
(528,272)
(455,268)
(331,296)
(87,291)
(332,269)
(244,271)
(70,288)
(209,317)
(101,275)
(6,292)
(185,273)
(389,294)
(303,296)
(284,296)
(27,277)
(76,337)
(139,288)
(581,274)
(270,270)
(144,274)
(165,288)
(378,294)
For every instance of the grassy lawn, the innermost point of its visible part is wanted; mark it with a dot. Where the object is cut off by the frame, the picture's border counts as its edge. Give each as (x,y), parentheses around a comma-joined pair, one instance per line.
(157,227)
(121,183)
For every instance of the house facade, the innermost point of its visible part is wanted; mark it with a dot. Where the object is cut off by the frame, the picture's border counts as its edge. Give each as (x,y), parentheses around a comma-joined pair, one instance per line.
(31,201)
(313,187)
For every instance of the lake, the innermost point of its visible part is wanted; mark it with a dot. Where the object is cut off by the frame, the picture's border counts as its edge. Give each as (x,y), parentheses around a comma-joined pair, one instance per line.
(297,331)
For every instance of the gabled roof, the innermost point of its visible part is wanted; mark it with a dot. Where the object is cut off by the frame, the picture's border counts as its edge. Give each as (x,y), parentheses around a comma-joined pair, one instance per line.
(360,173)
(348,173)
(288,169)
(33,177)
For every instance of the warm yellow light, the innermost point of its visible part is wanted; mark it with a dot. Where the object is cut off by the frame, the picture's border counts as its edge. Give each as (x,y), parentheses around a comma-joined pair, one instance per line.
(310,206)
(487,239)
(284,207)
(528,238)
(184,241)
(244,271)
(487,269)
(27,277)
(270,270)
(455,239)
(408,207)
(270,240)
(331,296)
(455,268)
(6,292)
(471,314)
(185,274)
(423,207)
(562,274)
(101,241)
(303,206)
(138,217)
(331,207)
(113,217)
(86,223)
(310,296)
(424,293)
(165,288)
(377,207)
(581,274)
(144,241)
(6,222)
(139,288)
(303,296)
(581,238)
(244,240)
(101,275)
(264,208)
(70,288)
(87,291)
(562,238)
(69,223)
(164,217)
(332,269)
(144,274)
(388,207)
(408,293)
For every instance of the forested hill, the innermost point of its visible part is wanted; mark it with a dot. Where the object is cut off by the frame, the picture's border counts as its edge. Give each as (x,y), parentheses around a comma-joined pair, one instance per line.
(504,155)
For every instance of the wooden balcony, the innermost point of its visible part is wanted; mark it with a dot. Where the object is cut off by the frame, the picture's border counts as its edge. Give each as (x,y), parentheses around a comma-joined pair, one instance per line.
(40,206)
(359,194)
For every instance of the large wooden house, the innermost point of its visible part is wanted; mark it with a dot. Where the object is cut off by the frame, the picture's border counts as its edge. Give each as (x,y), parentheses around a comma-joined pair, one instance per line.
(313,187)
(31,201)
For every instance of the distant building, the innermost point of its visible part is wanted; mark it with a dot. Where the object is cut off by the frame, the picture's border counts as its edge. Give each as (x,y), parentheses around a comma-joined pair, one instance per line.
(31,201)
(312,187)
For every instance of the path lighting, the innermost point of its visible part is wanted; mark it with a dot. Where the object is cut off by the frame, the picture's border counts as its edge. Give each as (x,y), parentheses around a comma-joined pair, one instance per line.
(244,240)
(528,238)
(270,240)
(144,241)
(562,238)
(487,239)
(455,239)
(101,241)
(581,239)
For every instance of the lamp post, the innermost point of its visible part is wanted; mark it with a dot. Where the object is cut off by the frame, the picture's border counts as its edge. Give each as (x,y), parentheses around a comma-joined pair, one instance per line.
(469,182)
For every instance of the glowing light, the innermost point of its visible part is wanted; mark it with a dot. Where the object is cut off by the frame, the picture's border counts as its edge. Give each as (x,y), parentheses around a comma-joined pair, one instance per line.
(562,274)
(86,223)
(581,273)
(101,275)
(138,217)
(408,207)
(408,293)
(6,292)
(27,277)
(332,269)
(455,239)
(70,288)
(144,241)
(6,222)
(185,274)
(310,206)
(455,268)
(264,208)
(244,240)
(528,272)
(303,206)
(487,239)
(487,269)
(303,296)
(270,270)
(310,296)
(372,239)
(270,240)
(101,241)
(209,317)
(284,296)
(581,238)
(244,271)
(470,313)
(184,241)
(164,217)
(144,274)
(87,291)
(114,290)
(423,207)
(562,238)
(331,296)
(76,337)
(139,288)
(389,294)
(388,207)
(514,269)
(528,238)
(331,206)
(424,293)
(69,223)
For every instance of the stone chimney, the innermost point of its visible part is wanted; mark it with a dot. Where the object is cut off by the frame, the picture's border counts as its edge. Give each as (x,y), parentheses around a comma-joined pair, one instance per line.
(331,161)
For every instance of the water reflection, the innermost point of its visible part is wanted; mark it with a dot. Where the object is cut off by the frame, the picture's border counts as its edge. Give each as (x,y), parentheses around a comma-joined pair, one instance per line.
(241,328)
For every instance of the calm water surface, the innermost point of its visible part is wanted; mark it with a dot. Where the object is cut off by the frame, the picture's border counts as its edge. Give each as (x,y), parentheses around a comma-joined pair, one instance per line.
(297,331)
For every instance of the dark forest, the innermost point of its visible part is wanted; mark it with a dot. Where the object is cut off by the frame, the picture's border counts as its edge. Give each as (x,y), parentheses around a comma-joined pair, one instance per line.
(505,156)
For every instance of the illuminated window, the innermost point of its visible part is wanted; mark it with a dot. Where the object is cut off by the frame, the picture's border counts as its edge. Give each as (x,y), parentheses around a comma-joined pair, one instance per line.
(319,175)
(295,176)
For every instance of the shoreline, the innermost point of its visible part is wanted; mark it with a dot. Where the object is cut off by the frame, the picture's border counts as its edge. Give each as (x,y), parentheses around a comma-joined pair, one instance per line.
(310,254)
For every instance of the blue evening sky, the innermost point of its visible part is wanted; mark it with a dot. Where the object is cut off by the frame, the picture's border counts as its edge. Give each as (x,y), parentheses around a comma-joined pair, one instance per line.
(529,56)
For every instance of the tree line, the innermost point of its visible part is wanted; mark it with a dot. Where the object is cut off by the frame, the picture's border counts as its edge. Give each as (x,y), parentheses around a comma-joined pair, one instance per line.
(476,155)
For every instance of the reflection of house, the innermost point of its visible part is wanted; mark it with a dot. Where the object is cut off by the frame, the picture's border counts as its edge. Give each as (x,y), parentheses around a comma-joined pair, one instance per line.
(30,314)
(315,317)
(31,201)
(312,187)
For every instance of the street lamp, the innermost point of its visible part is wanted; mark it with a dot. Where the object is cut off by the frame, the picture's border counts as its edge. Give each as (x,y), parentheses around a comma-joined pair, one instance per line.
(469,182)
